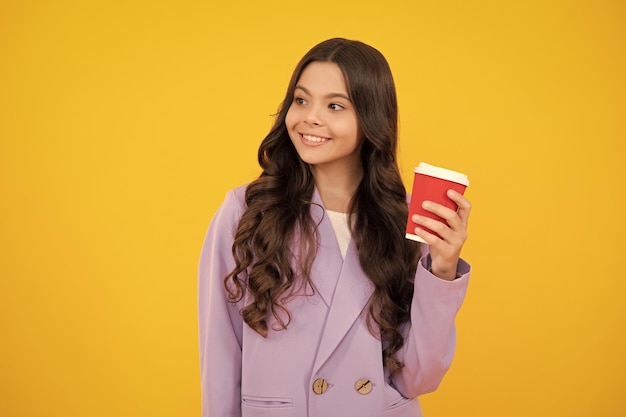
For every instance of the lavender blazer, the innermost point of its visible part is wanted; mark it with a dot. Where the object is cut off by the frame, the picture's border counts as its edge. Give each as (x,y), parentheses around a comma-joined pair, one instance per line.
(327,363)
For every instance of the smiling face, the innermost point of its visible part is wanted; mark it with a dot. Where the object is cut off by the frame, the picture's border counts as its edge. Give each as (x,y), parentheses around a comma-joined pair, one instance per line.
(322,122)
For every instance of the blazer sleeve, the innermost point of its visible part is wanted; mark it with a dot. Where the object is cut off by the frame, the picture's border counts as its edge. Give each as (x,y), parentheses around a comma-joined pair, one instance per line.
(219,321)
(430,337)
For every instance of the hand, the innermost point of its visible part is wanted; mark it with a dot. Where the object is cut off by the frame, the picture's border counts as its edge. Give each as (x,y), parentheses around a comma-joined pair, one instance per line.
(445,250)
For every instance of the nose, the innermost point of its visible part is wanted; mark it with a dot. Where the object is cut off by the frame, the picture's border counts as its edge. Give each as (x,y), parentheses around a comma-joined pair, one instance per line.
(312,116)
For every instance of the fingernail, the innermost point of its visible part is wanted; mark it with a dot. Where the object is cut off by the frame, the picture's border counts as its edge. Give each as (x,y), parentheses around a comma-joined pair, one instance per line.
(416,218)
(426,204)
(451,193)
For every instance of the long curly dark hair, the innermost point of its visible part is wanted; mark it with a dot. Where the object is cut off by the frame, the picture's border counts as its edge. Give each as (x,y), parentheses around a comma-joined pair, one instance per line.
(277,227)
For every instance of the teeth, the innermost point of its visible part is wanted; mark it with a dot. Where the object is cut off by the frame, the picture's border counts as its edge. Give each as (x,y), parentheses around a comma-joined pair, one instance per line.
(314,138)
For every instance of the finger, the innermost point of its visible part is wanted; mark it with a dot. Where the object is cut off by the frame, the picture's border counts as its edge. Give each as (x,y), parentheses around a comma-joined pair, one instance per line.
(450,216)
(464,205)
(436,208)
(431,239)
(436,226)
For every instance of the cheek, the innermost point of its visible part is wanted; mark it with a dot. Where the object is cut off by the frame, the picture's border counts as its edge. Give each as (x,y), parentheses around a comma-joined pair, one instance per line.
(352,129)
(359,134)
(290,118)
(291,121)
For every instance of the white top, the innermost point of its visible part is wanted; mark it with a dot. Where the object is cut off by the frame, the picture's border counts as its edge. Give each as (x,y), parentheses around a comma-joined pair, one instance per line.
(341,228)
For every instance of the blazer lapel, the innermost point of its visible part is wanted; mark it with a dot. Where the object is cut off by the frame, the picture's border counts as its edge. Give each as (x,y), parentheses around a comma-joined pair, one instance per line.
(351,296)
(328,261)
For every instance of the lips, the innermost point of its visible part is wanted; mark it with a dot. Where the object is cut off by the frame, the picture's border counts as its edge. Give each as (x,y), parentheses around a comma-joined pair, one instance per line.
(312,139)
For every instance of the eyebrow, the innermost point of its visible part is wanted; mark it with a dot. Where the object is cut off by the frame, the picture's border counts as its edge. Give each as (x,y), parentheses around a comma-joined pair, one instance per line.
(331,95)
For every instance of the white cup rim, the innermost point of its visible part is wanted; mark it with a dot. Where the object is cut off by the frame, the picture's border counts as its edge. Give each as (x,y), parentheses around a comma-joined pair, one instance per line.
(443,173)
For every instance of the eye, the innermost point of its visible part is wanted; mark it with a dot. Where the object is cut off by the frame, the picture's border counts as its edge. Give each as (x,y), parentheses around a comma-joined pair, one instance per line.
(335,106)
(299,100)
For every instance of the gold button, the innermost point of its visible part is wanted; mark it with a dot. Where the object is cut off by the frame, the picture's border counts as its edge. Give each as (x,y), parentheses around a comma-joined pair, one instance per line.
(363,386)
(320,386)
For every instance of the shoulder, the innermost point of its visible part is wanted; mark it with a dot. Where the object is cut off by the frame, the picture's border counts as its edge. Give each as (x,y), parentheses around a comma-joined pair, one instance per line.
(231,208)
(236,196)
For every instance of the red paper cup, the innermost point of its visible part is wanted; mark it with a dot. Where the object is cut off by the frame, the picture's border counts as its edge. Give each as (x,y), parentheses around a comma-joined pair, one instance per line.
(432,183)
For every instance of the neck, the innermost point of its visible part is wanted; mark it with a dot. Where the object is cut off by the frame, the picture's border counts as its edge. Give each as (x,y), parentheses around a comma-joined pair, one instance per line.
(336,186)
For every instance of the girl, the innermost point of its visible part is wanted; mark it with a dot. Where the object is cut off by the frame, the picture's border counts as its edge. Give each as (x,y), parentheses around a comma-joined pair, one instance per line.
(311,300)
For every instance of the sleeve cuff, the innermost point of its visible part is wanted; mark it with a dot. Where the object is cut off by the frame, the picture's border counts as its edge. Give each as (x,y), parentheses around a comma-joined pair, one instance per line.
(462,267)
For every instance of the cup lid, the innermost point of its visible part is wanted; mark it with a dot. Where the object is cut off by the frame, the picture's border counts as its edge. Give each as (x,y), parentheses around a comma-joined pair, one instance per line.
(443,173)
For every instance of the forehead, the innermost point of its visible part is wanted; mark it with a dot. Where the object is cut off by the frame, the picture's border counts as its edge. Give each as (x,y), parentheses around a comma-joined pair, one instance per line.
(322,77)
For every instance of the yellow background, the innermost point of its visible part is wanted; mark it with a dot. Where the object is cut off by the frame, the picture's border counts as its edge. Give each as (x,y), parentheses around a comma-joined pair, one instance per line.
(123,123)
